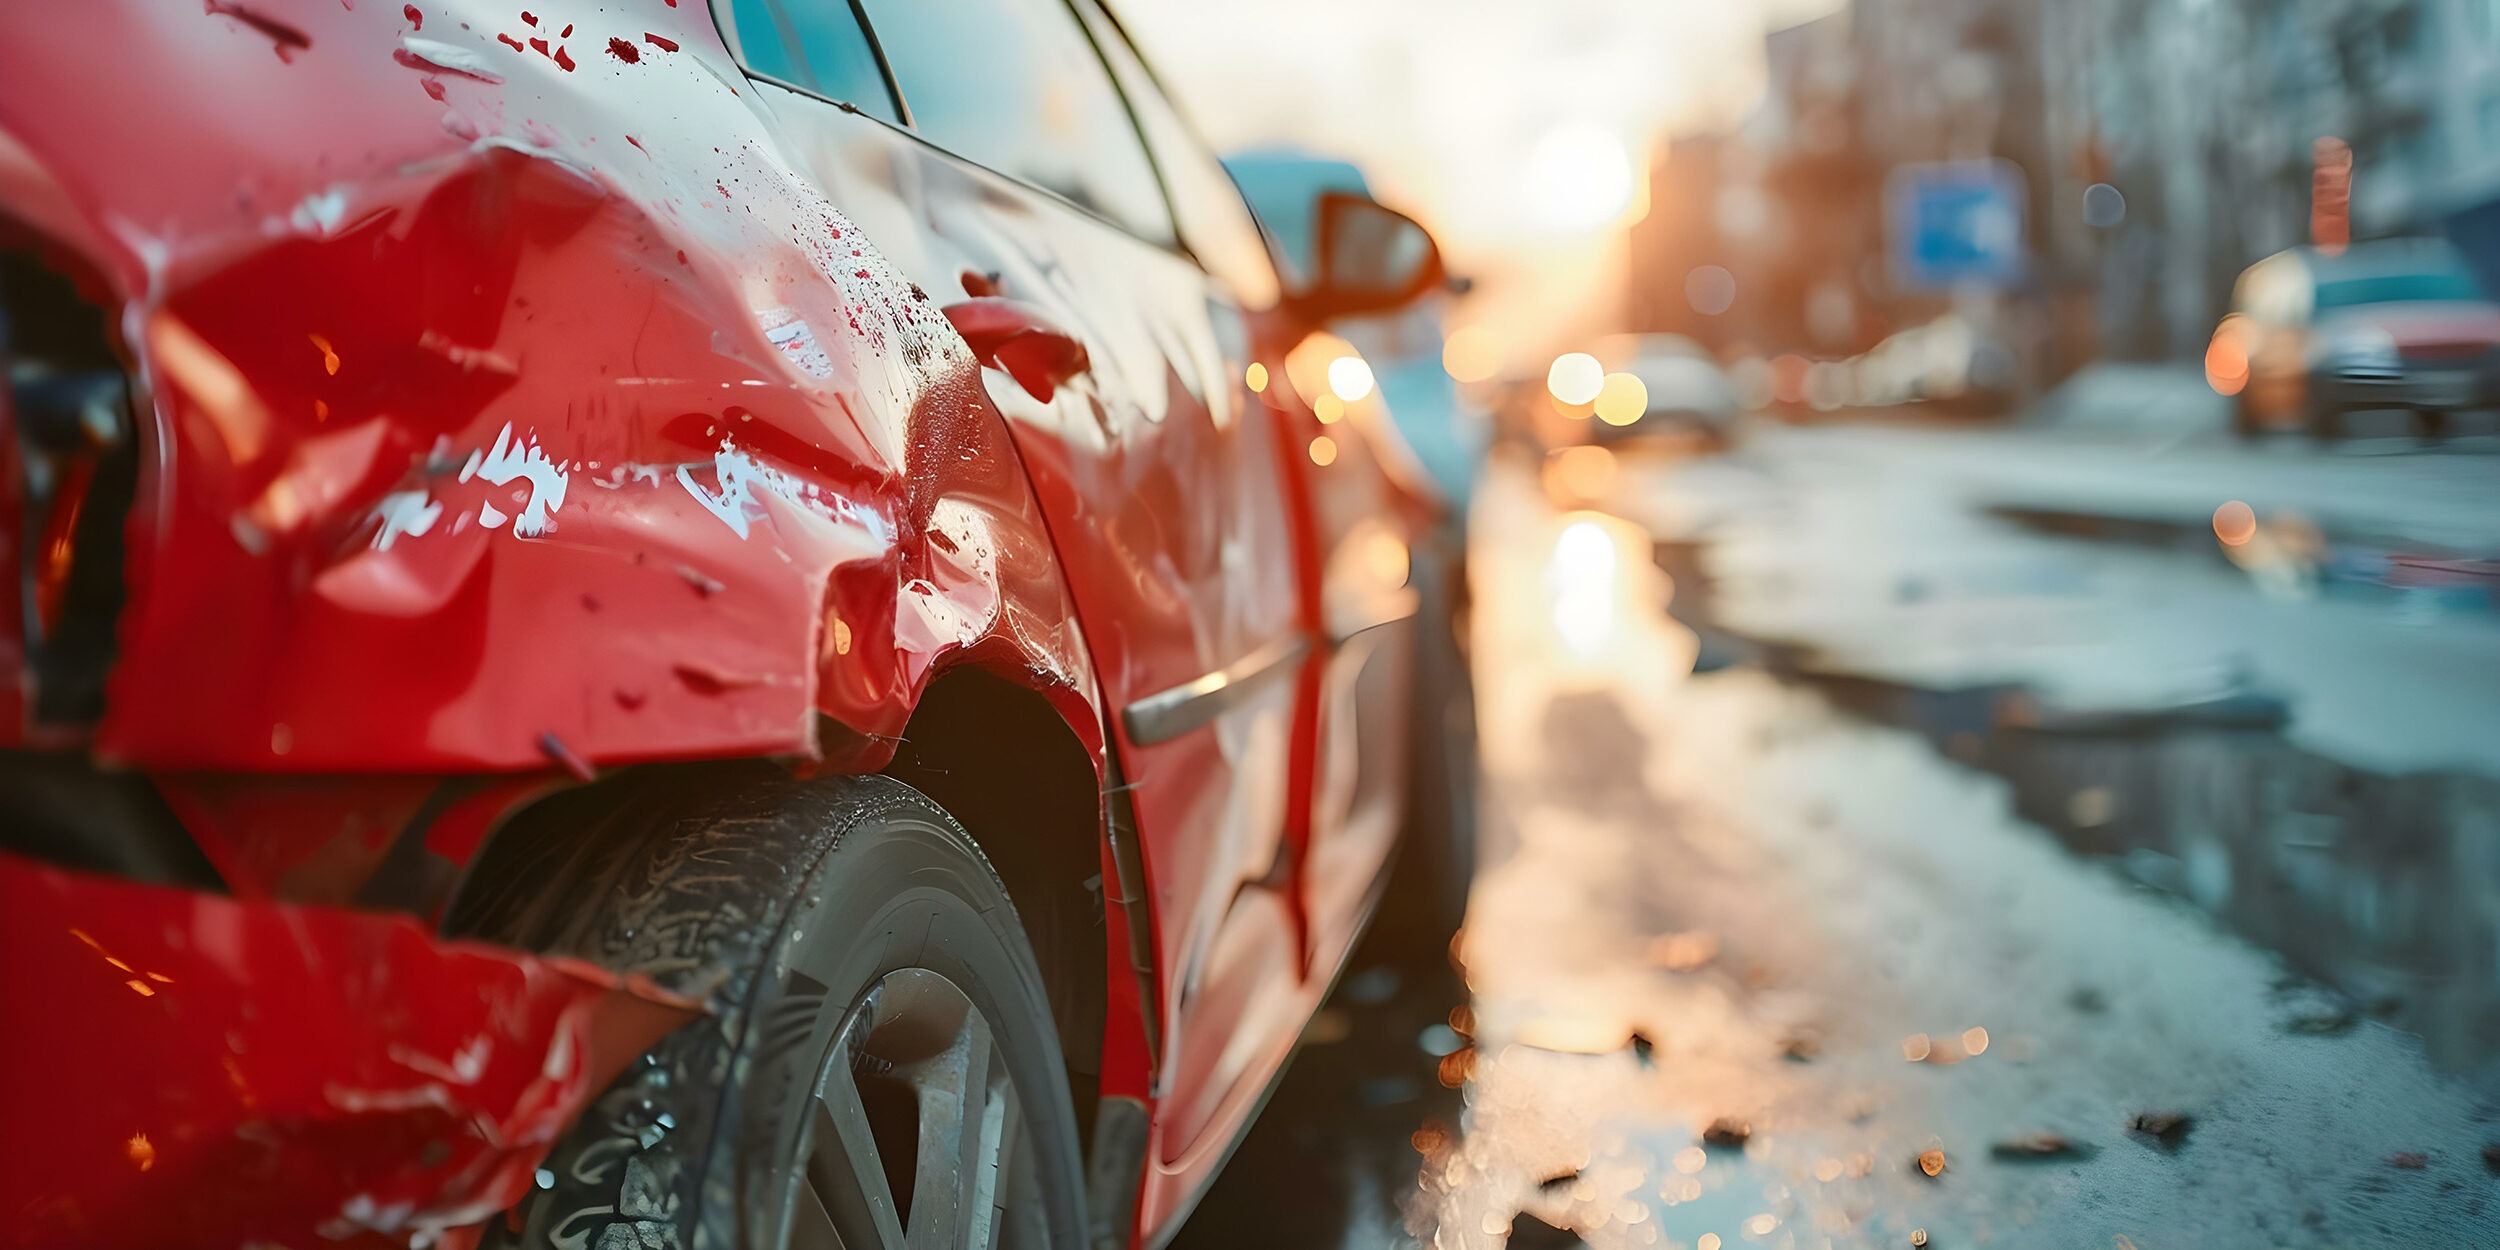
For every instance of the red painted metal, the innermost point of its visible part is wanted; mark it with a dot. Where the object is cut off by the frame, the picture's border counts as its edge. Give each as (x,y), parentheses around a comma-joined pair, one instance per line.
(302,839)
(514,409)
(1041,357)
(187,1070)
(491,440)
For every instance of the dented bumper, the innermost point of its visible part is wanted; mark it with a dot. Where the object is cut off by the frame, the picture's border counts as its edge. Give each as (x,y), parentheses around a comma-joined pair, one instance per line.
(183,1069)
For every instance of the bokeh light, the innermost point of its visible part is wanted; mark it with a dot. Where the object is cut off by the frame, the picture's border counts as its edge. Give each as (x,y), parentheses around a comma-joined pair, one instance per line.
(1621,399)
(2104,206)
(1472,354)
(1585,472)
(2235,523)
(2226,358)
(1580,177)
(1575,378)
(1710,289)
(1349,378)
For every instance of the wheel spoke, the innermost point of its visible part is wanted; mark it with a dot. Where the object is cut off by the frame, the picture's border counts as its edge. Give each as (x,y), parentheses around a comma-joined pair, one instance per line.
(845,1171)
(962,1139)
(811,1225)
(1011,1186)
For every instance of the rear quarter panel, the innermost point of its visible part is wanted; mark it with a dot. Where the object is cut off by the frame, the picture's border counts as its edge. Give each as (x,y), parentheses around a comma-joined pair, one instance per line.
(517,403)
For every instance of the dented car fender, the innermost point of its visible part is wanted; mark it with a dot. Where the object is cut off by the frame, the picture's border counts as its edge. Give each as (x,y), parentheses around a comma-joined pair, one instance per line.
(513,420)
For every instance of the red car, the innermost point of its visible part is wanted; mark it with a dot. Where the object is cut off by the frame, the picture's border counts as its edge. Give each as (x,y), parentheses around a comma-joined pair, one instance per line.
(2386,324)
(661,625)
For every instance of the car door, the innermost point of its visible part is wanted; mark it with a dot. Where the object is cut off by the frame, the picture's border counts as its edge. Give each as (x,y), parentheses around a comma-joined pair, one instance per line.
(1364,490)
(1012,171)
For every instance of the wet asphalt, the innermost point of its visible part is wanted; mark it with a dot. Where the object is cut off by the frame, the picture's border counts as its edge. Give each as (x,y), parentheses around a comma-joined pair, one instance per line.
(1770,947)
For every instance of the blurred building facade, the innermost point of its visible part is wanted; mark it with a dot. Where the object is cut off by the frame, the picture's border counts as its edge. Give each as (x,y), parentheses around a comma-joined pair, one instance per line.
(2161,147)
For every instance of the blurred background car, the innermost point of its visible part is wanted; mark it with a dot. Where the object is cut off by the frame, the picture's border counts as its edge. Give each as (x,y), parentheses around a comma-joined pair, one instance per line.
(1684,395)
(1652,390)
(2315,334)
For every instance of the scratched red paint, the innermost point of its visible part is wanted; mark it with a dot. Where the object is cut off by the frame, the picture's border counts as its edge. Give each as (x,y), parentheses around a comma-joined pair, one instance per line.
(516,531)
(416,17)
(285,39)
(625,52)
(344,625)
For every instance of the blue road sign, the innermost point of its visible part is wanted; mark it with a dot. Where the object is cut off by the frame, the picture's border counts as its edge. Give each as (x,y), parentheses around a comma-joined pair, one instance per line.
(1955,224)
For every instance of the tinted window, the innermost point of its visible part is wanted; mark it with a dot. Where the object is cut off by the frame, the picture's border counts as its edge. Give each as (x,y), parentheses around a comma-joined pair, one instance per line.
(817,44)
(1214,221)
(1016,85)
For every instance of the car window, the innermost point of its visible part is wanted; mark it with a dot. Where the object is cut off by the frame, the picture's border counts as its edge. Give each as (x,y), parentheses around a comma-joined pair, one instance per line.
(1214,220)
(816,44)
(1016,85)
(2392,288)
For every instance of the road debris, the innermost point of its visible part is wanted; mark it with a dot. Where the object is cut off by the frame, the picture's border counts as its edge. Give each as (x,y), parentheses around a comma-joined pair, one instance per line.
(2035,1146)
(2169,1128)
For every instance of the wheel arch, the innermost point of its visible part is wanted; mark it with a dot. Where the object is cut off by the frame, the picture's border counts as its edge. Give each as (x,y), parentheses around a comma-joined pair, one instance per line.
(997,753)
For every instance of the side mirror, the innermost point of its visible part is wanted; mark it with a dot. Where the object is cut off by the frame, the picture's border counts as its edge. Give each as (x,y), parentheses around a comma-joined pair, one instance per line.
(1371,259)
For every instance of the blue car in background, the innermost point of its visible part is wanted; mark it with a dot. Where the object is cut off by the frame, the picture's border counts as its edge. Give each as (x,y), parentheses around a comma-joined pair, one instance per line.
(1404,348)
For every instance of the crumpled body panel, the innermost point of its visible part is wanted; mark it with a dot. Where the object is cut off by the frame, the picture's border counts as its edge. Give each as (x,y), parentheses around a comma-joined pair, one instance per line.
(515,406)
(520,404)
(363,1082)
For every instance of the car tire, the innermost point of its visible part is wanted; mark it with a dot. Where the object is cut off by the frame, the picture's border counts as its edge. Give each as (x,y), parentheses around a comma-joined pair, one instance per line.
(1425,901)
(2432,425)
(877,977)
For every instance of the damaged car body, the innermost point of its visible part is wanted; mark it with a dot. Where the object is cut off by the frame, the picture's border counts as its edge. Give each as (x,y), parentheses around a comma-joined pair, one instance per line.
(669,622)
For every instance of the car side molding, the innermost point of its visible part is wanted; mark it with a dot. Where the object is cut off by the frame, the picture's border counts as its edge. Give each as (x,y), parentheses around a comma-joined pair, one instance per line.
(1167,714)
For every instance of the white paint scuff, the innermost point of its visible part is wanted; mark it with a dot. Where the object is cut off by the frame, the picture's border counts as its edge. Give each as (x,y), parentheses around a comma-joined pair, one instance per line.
(524,459)
(739,475)
(458,60)
(743,484)
(320,212)
(409,512)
